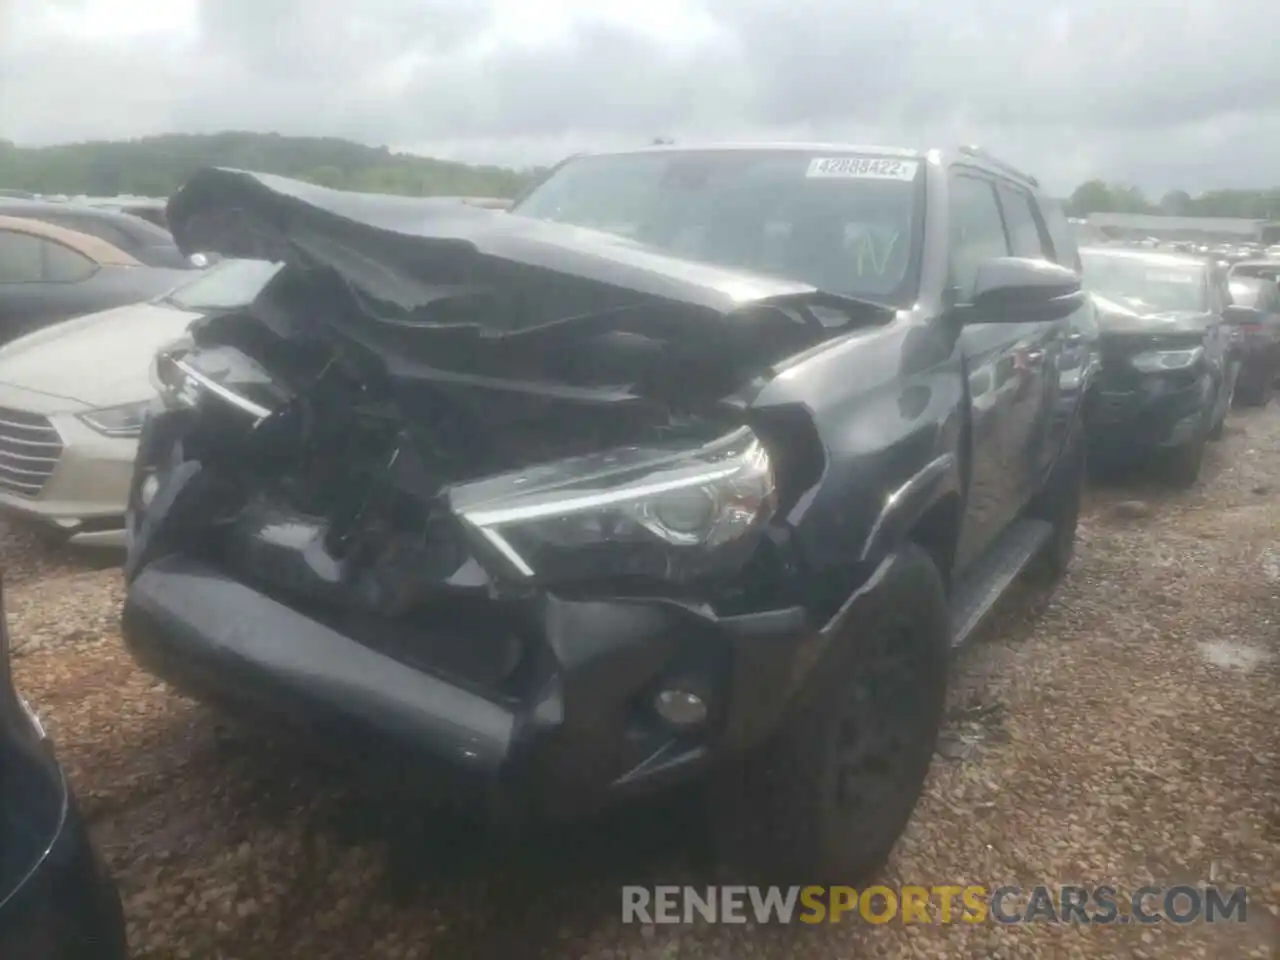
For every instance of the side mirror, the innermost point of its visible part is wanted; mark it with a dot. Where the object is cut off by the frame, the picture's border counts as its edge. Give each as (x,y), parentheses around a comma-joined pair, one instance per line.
(1020,290)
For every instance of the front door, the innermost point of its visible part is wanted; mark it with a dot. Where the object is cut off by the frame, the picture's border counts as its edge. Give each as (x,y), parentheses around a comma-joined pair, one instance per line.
(1010,395)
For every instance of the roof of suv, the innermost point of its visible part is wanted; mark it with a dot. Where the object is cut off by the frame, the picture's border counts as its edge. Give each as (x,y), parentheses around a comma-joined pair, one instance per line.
(1156,258)
(966,154)
(95,248)
(22,207)
(151,244)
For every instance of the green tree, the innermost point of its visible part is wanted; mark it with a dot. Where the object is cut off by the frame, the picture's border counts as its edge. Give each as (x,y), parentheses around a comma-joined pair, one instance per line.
(1093,196)
(325,176)
(159,165)
(1176,203)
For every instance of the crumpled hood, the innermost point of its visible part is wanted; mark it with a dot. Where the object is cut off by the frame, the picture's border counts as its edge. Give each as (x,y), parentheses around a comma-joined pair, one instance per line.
(412,251)
(102,359)
(1119,319)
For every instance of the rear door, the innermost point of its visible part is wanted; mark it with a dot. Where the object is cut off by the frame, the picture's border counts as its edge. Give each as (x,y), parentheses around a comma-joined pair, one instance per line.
(41,281)
(1003,387)
(1040,352)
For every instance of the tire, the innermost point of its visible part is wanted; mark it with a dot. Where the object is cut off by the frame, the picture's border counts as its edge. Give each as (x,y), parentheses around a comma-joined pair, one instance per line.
(1184,462)
(826,798)
(1219,428)
(1059,503)
(1256,396)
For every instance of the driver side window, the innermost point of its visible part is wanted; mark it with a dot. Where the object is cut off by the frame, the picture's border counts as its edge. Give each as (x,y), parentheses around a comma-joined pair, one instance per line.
(977,232)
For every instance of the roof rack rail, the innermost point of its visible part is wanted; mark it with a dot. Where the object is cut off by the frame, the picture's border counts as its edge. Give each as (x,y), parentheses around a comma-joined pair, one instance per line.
(972,150)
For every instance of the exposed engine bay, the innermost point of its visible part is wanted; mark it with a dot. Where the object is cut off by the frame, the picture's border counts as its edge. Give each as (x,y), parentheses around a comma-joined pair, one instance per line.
(346,471)
(347,445)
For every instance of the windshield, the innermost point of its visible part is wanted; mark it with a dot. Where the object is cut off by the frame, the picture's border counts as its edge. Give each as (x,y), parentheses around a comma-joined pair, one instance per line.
(1144,285)
(844,224)
(1264,271)
(230,284)
(1246,292)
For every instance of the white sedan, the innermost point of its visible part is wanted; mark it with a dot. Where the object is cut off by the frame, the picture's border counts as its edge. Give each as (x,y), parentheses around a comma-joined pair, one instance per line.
(73,397)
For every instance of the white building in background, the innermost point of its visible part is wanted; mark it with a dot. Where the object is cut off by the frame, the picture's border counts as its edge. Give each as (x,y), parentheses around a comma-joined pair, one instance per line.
(1186,228)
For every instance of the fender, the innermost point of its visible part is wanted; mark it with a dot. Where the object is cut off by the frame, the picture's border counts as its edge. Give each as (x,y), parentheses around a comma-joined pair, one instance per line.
(909,502)
(885,403)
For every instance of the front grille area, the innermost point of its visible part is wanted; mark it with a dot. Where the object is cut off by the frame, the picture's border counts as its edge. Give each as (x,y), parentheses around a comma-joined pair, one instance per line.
(29,450)
(1112,406)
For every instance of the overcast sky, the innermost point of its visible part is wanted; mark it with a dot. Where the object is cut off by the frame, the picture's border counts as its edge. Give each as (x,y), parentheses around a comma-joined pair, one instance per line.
(1150,92)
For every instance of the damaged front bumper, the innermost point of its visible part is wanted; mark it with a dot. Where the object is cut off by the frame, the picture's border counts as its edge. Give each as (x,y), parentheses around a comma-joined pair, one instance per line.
(1158,410)
(587,727)
(532,704)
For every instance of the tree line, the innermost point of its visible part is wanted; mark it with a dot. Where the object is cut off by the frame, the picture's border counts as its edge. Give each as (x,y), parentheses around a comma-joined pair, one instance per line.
(1097,196)
(156,166)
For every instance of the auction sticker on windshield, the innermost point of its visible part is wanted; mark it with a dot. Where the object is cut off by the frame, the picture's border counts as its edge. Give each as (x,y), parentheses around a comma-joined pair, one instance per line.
(862,168)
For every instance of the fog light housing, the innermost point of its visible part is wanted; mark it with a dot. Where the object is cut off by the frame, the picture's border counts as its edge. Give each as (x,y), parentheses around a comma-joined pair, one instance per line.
(147,492)
(680,708)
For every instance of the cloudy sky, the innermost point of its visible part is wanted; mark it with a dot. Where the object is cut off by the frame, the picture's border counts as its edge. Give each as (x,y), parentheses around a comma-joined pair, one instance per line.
(1144,91)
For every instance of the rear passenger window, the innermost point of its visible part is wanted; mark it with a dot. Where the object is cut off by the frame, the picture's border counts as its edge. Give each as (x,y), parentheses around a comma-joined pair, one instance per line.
(1061,235)
(64,265)
(28,259)
(103,230)
(976,231)
(1020,218)
(20,258)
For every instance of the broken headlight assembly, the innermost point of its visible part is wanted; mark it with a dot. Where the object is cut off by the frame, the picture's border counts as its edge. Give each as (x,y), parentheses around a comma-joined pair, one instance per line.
(181,381)
(652,514)
(1155,361)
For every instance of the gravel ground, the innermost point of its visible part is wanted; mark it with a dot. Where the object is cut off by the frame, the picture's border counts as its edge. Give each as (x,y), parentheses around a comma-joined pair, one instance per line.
(1121,731)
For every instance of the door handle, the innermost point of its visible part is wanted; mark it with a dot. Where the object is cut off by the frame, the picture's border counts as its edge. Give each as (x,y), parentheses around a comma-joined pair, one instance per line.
(1034,357)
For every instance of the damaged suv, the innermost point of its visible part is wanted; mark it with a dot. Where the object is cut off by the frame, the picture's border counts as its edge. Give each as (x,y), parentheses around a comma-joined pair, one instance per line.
(696,464)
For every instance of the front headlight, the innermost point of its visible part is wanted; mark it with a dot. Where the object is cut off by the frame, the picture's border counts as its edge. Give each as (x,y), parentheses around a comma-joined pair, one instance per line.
(1158,360)
(664,514)
(123,421)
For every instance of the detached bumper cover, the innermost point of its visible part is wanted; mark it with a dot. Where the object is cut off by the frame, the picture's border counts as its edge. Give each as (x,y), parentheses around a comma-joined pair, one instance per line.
(581,730)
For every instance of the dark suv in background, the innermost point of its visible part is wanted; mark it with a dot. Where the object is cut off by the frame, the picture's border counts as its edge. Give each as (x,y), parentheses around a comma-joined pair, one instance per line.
(1255,314)
(1170,357)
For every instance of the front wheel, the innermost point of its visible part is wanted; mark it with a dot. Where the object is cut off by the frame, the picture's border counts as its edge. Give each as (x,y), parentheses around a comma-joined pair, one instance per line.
(825,800)
(1256,395)
(1184,462)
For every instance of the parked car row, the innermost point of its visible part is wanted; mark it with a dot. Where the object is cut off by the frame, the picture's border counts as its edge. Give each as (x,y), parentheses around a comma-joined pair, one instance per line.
(695,465)
(147,242)
(73,397)
(1176,348)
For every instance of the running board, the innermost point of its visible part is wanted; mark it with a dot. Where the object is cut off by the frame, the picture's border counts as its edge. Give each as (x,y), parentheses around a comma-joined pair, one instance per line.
(987,580)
